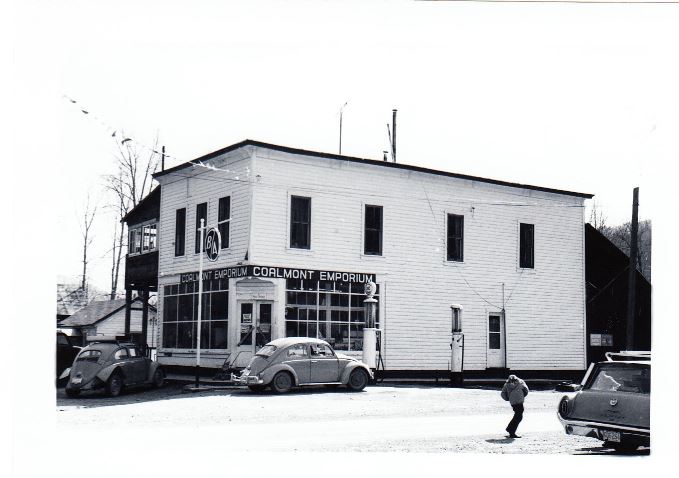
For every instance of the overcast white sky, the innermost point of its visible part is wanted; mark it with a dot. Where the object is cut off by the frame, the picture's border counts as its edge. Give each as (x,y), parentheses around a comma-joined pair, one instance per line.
(569,96)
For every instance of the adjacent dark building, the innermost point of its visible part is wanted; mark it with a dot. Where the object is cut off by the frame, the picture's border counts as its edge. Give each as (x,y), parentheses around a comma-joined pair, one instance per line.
(141,261)
(607,276)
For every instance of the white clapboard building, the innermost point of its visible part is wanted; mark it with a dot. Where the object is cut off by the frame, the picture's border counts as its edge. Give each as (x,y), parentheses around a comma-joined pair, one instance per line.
(303,231)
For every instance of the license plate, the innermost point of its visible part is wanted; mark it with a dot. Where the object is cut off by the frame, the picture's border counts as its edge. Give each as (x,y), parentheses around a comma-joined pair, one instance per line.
(610,436)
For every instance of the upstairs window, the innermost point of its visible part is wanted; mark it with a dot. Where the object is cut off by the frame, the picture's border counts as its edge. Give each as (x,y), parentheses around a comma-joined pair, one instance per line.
(526,246)
(149,238)
(455,243)
(300,222)
(372,237)
(224,220)
(201,213)
(180,232)
(134,243)
(142,239)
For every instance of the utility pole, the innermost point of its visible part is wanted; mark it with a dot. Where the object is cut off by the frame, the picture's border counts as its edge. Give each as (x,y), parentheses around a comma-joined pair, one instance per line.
(632,281)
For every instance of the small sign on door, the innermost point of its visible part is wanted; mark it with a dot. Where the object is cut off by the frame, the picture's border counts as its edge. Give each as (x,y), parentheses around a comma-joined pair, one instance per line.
(246,319)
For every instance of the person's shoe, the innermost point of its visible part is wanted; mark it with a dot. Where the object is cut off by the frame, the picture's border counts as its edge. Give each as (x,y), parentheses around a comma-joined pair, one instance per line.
(513,435)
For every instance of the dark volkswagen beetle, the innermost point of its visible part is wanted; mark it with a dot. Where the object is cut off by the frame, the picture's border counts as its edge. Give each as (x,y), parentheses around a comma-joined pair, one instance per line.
(613,402)
(113,366)
(298,361)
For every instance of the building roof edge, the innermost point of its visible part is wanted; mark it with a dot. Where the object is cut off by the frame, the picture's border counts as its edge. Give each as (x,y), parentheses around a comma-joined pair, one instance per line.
(409,167)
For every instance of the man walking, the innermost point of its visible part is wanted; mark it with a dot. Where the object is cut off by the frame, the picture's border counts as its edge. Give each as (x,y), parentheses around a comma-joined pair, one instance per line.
(514,390)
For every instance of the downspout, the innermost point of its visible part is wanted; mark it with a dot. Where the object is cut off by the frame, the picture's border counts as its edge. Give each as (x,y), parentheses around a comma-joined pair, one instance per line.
(504,325)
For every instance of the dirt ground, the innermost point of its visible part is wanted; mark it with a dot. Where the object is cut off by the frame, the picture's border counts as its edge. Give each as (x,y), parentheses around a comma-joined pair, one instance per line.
(382,418)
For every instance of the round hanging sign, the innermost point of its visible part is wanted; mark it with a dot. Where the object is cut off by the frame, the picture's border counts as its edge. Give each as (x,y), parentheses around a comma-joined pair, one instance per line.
(212,244)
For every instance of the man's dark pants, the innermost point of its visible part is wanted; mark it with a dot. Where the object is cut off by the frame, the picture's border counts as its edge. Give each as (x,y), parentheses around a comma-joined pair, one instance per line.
(516,419)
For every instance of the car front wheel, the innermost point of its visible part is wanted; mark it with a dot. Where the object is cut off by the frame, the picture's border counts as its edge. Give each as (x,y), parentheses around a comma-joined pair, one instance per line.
(282,382)
(114,385)
(158,378)
(358,380)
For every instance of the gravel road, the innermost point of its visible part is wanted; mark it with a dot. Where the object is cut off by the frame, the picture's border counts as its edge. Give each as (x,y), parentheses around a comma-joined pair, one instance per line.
(380,419)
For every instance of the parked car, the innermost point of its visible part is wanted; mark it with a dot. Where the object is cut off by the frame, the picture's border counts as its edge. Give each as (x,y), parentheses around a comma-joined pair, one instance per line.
(299,361)
(612,403)
(112,366)
(66,352)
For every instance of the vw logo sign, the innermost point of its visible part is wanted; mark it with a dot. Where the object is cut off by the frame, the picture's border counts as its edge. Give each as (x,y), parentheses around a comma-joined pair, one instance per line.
(212,244)
(613,402)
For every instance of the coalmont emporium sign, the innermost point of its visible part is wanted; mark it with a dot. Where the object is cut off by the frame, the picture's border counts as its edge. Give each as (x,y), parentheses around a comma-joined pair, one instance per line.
(278,273)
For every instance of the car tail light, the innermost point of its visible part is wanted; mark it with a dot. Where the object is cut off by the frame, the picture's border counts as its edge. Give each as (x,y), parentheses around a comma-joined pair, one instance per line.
(563,407)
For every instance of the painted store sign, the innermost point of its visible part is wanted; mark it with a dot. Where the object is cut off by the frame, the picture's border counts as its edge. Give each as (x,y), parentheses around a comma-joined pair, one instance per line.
(279,273)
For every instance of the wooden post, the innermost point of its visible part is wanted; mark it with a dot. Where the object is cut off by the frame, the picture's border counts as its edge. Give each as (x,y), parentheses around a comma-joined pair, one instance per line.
(144,320)
(128,312)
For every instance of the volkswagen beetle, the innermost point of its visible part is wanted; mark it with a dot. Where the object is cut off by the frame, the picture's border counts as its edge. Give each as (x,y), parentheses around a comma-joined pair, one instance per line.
(299,361)
(112,366)
(612,403)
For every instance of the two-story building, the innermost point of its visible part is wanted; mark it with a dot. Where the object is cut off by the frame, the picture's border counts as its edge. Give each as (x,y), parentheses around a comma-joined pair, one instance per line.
(302,231)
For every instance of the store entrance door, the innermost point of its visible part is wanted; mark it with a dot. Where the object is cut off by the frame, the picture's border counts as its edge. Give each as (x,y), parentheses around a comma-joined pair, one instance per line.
(496,341)
(254,316)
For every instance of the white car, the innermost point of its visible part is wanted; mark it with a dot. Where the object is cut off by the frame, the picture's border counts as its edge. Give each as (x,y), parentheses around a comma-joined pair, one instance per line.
(299,361)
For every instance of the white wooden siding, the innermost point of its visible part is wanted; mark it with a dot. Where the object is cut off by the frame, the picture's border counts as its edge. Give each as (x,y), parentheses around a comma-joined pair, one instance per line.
(545,314)
(189,187)
(115,326)
(544,306)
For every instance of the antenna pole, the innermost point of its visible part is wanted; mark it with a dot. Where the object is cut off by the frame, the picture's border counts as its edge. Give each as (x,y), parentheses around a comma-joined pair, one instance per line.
(393,141)
(340,126)
(391,145)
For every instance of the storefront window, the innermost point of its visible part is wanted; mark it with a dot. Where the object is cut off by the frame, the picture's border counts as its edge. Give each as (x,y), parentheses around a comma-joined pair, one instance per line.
(332,311)
(180,315)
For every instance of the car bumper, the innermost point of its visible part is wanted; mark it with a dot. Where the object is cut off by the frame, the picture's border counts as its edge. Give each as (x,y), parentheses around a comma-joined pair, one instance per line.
(91,385)
(246,380)
(599,430)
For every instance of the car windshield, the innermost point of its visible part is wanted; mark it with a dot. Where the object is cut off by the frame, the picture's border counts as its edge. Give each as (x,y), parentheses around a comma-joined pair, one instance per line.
(92,355)
(266,351)
(622,377)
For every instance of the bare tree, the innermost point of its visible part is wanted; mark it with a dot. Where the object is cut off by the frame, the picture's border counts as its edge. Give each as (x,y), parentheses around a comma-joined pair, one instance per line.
(597,218)
(129,186)
(85,225)
(621,236)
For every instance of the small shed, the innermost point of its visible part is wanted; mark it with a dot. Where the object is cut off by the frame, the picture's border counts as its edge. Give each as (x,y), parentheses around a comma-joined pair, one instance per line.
(107,317)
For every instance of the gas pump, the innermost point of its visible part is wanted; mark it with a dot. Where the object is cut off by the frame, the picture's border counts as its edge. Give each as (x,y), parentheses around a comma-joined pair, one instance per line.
(456,345)
(369,331)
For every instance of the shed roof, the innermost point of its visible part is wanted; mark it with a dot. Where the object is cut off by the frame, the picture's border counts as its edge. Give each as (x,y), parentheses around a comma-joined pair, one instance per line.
(99,310)
(70,298)
(387,164)
(147,208)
